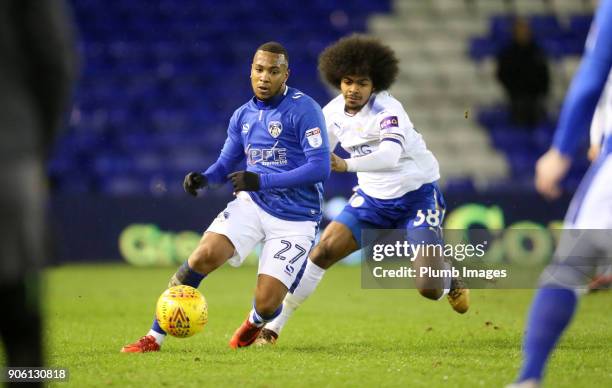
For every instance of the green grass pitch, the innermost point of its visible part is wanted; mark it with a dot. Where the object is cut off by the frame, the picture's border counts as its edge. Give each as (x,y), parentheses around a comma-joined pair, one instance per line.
(343,336)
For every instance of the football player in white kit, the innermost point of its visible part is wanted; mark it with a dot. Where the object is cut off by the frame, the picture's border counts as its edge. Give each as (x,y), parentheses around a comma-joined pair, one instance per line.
(397,174)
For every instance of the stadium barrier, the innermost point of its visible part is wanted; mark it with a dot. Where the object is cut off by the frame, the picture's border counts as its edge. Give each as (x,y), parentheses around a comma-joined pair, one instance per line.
(163,231)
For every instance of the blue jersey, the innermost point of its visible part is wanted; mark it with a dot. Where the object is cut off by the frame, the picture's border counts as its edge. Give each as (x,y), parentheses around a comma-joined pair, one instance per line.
(588,83)
(277,138)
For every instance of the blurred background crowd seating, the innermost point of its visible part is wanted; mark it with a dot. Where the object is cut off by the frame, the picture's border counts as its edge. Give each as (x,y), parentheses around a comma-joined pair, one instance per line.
(161,78)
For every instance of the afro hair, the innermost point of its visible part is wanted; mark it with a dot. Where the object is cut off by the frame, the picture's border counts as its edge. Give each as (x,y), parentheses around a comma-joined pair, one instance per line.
(359,54)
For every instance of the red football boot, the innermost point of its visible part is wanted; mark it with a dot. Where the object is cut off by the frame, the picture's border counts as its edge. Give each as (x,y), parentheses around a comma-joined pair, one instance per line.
(245,335)
(143,345)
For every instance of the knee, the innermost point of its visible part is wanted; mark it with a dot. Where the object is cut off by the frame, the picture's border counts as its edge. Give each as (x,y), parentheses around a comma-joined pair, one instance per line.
(431,293)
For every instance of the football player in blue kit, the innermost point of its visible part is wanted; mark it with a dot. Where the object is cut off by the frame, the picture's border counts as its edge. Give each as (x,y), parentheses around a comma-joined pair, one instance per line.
(397,174)
(282,135)
(579,253)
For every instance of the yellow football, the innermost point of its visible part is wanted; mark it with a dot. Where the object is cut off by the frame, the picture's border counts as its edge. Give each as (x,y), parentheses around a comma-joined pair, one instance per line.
(182,311)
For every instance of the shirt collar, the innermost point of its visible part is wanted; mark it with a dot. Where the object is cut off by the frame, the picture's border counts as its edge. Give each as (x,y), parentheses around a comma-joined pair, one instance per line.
(364,109)
(271,103)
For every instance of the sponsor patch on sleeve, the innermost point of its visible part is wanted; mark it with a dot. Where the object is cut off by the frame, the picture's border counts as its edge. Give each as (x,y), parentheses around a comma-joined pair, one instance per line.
(314,137)
(389,122)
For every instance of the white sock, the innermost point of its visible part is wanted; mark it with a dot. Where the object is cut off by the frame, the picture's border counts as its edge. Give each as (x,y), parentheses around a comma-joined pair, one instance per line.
(309,282)
(256,319)
(289,306)
(447,281)
(159,338)
(446,290)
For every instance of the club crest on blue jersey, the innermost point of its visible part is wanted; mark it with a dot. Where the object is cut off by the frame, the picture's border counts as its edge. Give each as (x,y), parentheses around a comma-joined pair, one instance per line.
(275,128)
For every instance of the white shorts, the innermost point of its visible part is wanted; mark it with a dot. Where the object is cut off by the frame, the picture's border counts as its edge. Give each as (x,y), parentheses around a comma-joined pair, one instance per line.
(286,244)
(591,207)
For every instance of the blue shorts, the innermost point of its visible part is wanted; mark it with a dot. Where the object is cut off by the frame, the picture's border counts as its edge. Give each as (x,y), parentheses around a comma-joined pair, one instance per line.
(419,212)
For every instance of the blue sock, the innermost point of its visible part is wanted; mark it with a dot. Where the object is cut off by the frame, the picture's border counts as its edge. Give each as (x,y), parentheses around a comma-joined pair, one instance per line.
(259,319)
(275,314)
(551,311)
(184,275)
(155,327)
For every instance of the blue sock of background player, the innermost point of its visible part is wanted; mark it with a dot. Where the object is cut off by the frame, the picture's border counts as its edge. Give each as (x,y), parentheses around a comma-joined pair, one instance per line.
(185,276)
(551,311)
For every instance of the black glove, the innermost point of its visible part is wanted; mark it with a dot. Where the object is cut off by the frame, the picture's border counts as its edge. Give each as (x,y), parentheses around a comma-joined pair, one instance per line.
(244,181)
(194,181)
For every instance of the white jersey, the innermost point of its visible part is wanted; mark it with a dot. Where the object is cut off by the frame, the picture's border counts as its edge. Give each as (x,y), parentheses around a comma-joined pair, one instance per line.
(383,118)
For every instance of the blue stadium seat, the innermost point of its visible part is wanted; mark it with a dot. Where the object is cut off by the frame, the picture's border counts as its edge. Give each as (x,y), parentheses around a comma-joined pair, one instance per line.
(493,116)
(161,77)
(481,48)
(579,25)
(500,27)
(124,185)
(556,39)
(545,26)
